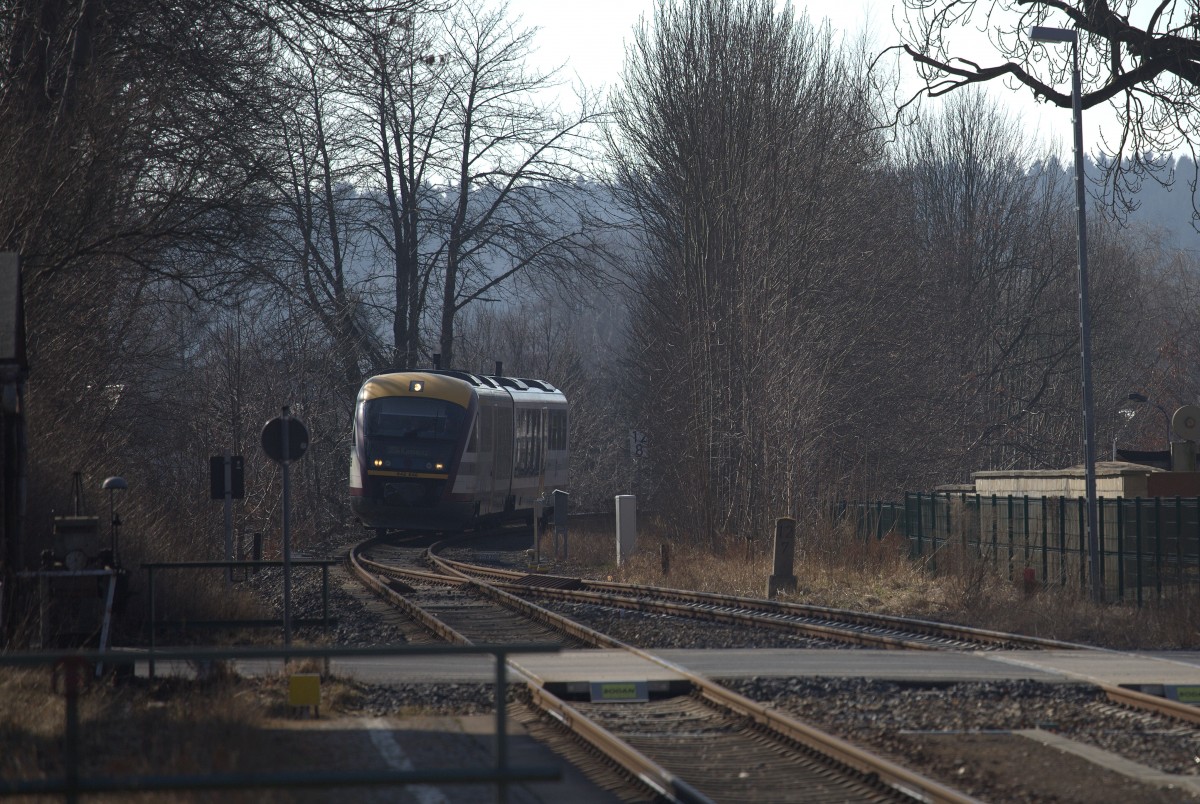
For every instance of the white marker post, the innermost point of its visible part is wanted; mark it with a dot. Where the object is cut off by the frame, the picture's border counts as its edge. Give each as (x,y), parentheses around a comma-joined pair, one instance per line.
(626,526)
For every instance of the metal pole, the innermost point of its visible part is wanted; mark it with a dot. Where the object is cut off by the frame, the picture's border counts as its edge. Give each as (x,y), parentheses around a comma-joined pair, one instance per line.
(228,516)
(287,541)
(501,723)
(153,614)
(1085,330)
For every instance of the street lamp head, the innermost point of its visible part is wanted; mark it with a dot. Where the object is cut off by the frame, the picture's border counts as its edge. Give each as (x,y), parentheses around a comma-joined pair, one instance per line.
(1039,34)
(115,483)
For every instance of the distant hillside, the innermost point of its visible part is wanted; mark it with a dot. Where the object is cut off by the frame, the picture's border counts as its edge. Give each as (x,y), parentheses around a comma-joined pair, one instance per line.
(1167,209)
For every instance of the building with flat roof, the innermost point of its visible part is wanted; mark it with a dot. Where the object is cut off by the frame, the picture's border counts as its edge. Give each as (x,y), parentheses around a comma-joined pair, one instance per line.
(1113,479)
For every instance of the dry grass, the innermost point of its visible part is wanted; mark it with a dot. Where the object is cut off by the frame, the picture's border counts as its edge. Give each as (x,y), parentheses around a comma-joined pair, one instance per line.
(132,729)
(834,567)
(170,726)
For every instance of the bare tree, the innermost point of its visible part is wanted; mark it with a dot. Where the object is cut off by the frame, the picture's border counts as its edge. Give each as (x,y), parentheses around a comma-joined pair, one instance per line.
(1144,59)
(511,167)
(743,145)
(321,219)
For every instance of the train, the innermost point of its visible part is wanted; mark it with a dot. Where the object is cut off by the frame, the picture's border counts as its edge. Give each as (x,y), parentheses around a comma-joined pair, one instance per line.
(447,450)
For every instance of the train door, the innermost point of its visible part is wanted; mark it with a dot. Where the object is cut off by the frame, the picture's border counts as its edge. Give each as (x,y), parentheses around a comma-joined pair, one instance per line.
(485,450)
(502,459)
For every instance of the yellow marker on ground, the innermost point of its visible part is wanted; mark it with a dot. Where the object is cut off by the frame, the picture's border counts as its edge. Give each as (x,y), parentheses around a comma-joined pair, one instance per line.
(304,690)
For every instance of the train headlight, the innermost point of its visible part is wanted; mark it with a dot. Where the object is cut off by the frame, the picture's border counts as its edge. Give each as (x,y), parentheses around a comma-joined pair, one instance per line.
(439,466)
(379,462)
(416,386)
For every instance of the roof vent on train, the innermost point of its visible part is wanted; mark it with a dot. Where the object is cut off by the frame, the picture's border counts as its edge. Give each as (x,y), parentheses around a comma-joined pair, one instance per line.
(541,385)
(510,382)
(460,375)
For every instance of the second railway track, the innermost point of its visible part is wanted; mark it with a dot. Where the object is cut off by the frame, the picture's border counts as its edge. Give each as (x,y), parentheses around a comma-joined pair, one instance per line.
(707,746)
(538,596)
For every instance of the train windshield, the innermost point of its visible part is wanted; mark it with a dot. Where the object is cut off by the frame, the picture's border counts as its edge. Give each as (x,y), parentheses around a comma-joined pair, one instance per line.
(414,418)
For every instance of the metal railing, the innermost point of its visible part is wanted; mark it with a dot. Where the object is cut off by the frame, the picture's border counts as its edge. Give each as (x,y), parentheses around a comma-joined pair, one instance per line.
(74,667)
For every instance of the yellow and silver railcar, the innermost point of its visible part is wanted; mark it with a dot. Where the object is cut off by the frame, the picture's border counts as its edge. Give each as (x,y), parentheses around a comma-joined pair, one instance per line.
(440,450)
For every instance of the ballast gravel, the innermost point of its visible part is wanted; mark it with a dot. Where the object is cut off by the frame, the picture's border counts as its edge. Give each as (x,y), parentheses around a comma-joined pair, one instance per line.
(965,733)
(961,734)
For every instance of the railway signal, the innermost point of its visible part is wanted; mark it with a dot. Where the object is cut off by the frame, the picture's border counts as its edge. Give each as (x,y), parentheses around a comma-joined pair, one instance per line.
(285,439)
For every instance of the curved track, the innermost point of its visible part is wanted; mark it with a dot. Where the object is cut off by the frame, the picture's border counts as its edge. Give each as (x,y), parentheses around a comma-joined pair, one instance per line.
(836,625)
(712,743)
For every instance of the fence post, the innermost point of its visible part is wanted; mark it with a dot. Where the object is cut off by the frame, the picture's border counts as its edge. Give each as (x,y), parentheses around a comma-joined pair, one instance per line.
(978,525)
(73,675)
(1121,549)
(501,722)
(1158,549)
(150,598)
(1101,537)
(1179,540)
(995,535)
(1025,526)
(1011,546)
(1045,548)
(1062,540)
(1080,503)
(920,530)
(1137,545)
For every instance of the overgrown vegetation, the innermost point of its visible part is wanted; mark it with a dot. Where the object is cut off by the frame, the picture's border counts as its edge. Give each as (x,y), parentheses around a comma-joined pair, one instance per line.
(835,567)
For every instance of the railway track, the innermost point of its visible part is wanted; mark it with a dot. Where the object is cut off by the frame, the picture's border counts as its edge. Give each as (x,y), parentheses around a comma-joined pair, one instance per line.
(665,763)
(460,610)
(696,748)
(838,625)
(709,745)
(834,625)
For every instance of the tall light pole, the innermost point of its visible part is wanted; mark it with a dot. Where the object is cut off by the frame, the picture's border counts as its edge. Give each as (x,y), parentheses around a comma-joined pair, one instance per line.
(1057,35)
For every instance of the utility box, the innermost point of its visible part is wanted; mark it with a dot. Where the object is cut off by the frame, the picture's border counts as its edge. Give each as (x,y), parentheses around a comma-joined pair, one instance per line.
(76,541)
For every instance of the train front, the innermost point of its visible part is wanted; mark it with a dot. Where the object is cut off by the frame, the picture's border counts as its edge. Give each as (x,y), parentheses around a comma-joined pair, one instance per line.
(410,430)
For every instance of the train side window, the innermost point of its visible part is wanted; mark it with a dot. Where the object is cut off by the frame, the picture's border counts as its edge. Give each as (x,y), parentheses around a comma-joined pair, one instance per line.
(558,430)
(538,440)
(485,424)
(521,461)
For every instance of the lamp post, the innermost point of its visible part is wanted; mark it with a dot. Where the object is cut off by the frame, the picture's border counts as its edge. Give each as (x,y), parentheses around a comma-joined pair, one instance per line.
(1059,35)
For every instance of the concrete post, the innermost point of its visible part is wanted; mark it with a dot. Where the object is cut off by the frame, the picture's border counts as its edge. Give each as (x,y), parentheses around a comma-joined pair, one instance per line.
(626,526)
(782,577)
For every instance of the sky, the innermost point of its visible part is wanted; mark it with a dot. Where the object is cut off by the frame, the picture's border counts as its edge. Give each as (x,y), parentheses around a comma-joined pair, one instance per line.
(588,37)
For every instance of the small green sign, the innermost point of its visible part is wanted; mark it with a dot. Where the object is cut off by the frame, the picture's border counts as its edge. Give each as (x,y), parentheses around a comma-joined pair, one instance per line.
(1187,695)
(619,692)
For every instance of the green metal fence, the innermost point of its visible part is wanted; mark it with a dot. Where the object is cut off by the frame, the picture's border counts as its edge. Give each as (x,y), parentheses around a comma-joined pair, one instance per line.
(1148,546)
